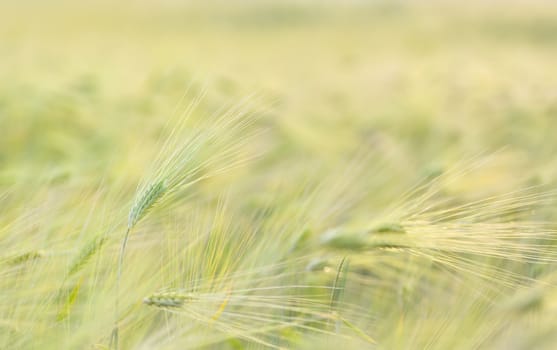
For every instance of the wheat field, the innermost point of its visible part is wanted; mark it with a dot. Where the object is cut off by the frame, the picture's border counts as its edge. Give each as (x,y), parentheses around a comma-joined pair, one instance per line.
(278,175)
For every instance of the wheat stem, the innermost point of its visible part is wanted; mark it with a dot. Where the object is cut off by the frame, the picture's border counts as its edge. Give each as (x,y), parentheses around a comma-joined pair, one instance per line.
(114,337)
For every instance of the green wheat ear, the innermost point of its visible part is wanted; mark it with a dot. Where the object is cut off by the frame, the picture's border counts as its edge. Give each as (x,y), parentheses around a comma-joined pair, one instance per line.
(147,200)
(23,257)
(340,239)
(141,206)
(88,251)
(69,301)
(167,299)
(360,241)
(388,228)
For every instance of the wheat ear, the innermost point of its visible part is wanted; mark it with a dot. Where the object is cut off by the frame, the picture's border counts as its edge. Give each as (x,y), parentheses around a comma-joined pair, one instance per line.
(140,208)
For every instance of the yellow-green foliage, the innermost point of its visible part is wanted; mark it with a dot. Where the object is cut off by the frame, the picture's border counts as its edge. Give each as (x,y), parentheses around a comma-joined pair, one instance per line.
(259,175)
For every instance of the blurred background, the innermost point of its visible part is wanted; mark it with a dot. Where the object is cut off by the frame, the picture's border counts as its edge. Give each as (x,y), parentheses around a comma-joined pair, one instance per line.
(425,80)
